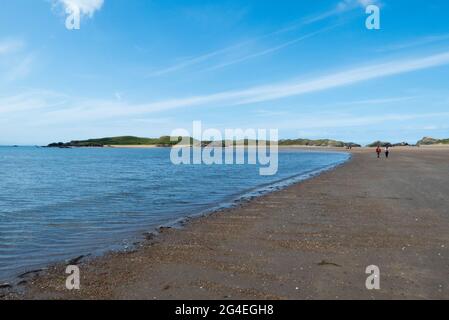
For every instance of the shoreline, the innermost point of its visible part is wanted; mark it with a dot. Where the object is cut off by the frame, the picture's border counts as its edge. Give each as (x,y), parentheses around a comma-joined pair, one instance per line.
(232,202)
(328,148)
(246,243)
(302,147)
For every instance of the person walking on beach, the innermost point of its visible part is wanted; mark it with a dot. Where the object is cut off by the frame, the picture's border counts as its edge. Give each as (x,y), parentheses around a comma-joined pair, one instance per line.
(387,151)
(378,151)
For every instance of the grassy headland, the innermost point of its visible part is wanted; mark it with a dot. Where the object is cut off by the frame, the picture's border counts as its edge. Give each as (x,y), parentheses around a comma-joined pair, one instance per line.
(427,141)
(317,143)
(120,141)
(166,141)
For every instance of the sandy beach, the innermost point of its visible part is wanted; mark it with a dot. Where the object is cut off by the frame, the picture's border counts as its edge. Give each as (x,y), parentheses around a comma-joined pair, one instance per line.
(312,240)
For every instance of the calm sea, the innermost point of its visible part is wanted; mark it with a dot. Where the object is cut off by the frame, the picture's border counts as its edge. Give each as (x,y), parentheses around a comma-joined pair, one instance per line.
(56,204)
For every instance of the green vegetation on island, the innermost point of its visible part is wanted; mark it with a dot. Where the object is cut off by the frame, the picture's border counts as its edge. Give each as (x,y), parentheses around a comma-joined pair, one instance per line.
(166,141)
(317,143)
(427,141)
(120,141)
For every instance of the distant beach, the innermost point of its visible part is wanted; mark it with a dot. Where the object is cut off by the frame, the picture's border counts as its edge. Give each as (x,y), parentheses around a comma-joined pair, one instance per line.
(312,240)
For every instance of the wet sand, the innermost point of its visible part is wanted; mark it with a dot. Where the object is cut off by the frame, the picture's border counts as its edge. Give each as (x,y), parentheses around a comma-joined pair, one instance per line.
(312,240)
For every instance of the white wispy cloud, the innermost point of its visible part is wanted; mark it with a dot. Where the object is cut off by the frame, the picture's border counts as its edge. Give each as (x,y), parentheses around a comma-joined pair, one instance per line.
(8,46)
(269,50)
(295,88)
(335,120)
(85,7)
(30,100)
(416,42)
(341,7)
(340,105)
(195,60)
(378,101)
(91,109)
(21,68)
(15,62)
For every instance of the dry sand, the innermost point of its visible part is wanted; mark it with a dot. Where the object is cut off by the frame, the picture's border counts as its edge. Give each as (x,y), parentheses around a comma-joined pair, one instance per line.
(312,240)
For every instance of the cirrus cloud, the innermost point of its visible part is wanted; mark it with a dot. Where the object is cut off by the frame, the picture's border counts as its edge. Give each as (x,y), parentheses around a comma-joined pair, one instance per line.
(8,46)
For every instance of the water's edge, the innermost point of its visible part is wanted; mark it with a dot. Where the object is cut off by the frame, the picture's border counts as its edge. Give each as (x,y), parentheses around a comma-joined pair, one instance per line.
(154,230)
(236,201)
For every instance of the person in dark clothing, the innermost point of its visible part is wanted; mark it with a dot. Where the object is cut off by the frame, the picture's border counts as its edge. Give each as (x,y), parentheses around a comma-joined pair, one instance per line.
(387,151)
(378,151)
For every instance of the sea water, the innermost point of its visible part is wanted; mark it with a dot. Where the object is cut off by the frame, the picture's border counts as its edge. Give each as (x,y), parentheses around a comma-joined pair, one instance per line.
(56,204)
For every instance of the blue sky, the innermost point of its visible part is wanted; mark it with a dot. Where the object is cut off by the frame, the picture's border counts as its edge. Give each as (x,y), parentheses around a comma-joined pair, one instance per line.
(141,67)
